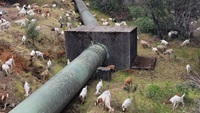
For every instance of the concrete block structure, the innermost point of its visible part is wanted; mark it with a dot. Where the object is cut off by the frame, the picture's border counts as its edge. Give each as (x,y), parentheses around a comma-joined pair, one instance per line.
(121,43)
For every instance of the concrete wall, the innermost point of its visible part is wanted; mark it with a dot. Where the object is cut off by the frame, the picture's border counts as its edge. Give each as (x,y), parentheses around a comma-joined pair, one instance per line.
(120,41)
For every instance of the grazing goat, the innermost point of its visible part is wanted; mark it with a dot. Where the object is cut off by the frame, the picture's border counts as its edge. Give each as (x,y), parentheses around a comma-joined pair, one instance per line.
(102,97)
(4,98)
(98,87)
(173,34)
(6,68)
(155,50)
(186,42)
(107,103)
(128,81)
(83,95)
(161,48)
(111,67)
(164,42)
(38,53)
(126,104)
(188,69)
(44,75)
(10,62)
(175,100)
(145,44)
(168,52)
(26,89)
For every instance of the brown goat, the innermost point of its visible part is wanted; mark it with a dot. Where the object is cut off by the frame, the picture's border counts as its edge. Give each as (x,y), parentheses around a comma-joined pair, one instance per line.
(111,67)
(4,97)
(127,81)
(45,75)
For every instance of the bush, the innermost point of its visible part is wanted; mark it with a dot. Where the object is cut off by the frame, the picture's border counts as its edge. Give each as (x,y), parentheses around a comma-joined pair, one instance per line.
(146,25)
(153,92)
(136,11)
(31,31)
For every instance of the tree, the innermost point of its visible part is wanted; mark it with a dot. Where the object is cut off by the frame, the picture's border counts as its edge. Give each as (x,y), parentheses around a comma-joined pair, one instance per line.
(32,32)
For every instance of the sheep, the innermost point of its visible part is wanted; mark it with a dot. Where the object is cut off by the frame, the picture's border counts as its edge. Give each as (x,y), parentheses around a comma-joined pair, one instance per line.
(173,34)
(44,75)
(39,54)
(107,103)
(186,42)
(188,69)
(4,98)
(102,97)
(161,48)
(83,94)
(126,104)
(23,39)
(164,42)
(111,67)
(98,87)
(49,63)
(128,81)
(145,44)
(10,62)
(168,52)
(175,100)
(6,68)
(26,89)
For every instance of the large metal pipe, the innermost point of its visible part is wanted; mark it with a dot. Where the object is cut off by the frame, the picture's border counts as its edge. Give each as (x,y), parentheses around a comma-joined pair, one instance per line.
(87,18)
(55,94)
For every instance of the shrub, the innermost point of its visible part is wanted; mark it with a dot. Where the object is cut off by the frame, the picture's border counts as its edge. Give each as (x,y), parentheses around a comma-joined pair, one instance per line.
(153,92)
(146,25)
(136,11)
(31,31)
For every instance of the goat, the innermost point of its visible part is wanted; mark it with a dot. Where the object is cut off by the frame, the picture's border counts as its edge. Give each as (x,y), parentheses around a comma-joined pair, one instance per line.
(155,50)
(83,94)
(128,81)
(164,42)
(168,52)
(173,34)
(145,44)
(111,67)
(188,69)
(10,62)
(4,98)
(49,63)
(6,68)
(126,104)
(44,75)
(38,53)
(5,25)
(102,97)
(23,39)
(186,42)
(107,103)
(68,62)
(98,87)
(175,100)
(161,48)
(26,88)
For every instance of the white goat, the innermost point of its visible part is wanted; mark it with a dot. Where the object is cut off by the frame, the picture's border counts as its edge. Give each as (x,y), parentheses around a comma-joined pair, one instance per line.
(49,63)
(68,62)
(10,62)
(5,25)
(6,68)
(186,42)
(83,94)
(155,50)
(126,104)
(168,52)
(175,100)
(26,88)
(39,54)
(102,97)
(21,22)
(188,69)
(164,42)
(98,87)
(107,103)
(173,34)
(23,39)
(32,53)
(145,44)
